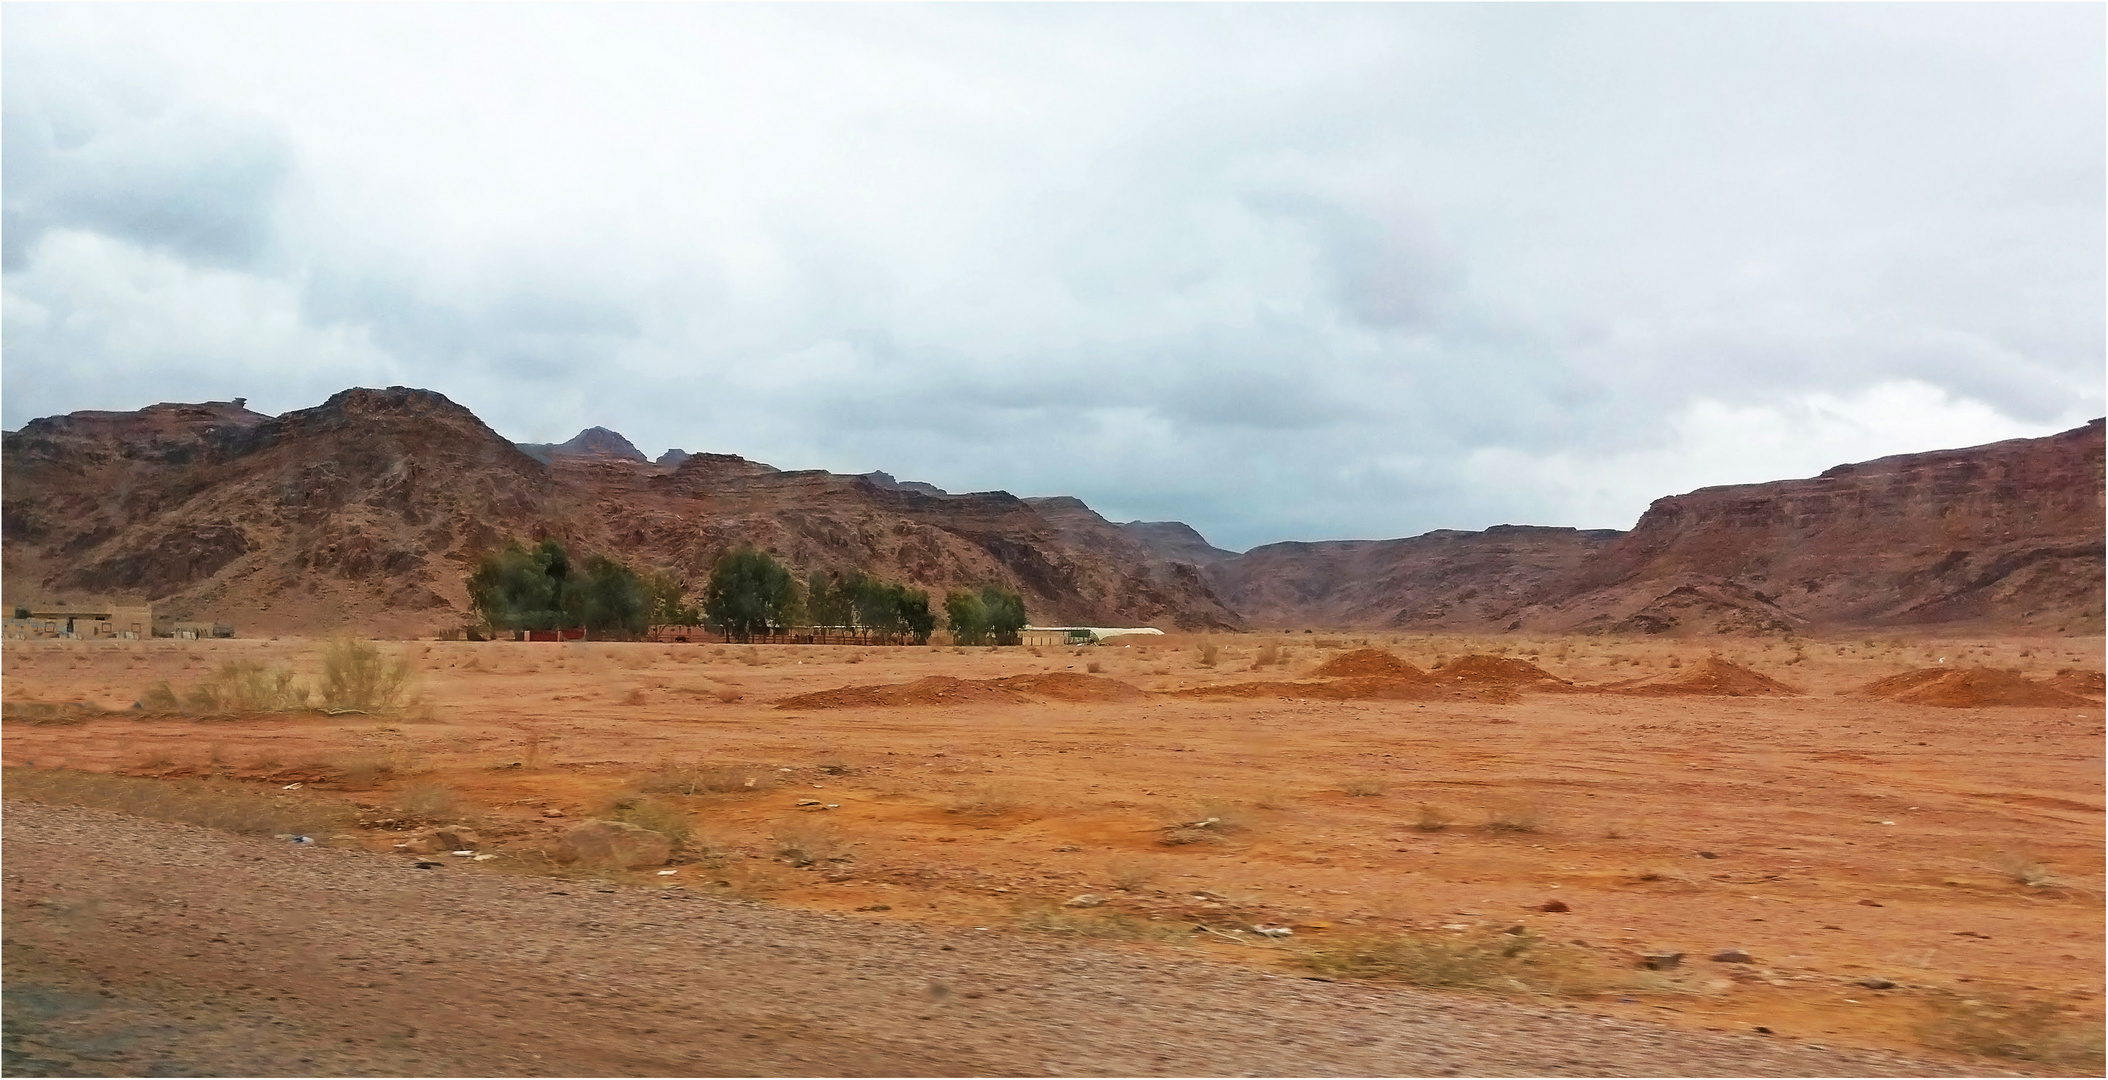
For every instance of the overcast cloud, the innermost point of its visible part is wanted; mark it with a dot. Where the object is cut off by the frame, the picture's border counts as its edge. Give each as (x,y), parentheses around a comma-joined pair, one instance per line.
(1283,272)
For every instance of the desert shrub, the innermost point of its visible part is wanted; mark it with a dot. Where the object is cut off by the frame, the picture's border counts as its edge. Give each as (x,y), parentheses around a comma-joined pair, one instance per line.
(1094,667)
(659,816)
(1210,654)
(2022,869)
(213,804)
(702,779)
(2020,1030)
(431,802)
(241,687)
(1364,787)
(1516,815)
(160,698)
(804,842)
(1497,961)
(1431,818)
(357,676)
(1040,915)
(1269,653)
(364,770)
(1127,875)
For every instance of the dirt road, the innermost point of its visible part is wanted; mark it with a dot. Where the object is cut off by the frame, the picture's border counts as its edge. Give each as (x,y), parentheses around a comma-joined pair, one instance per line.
(138,947)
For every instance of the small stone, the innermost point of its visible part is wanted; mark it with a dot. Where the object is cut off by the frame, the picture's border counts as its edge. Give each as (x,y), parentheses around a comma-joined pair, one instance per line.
(1068,847)
(1876,983)
(1707,855)
(1086,900)
(1870,903)
(1660,961)
(808,802)
(552,813)
(1762,1030)
(1554,906)
(1732,956)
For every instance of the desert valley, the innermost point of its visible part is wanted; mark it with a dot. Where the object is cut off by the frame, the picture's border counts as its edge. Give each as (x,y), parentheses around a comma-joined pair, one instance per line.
(1811,767)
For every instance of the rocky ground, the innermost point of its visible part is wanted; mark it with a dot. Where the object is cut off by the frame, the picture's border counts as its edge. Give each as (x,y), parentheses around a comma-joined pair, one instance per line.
(138,947)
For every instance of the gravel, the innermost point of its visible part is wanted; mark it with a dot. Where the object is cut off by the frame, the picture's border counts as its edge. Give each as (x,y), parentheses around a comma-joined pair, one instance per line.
(138,947)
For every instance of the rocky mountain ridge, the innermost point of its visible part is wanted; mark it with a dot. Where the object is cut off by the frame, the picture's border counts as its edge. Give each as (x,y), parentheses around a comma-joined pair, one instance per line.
(369,509)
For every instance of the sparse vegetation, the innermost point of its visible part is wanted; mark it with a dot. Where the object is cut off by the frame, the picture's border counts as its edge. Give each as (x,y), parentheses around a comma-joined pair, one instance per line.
(1515,815)
(216,804)
(1364,787)
(2022,869)
(1127,875)
(1210,654)
(658,815)
(2031,1030)
(1503,962)
(992,800)
(805,842)
(993,616)
(1431,818)
(357,676)
(1041,915)
(702,779)
(247,688)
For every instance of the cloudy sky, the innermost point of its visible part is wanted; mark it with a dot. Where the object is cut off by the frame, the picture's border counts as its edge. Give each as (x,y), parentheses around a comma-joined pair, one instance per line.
(1283,272)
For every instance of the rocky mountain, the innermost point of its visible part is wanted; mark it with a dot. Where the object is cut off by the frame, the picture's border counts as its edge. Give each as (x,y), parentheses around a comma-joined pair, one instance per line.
(1177,541)
(1444,579)
(2006,536)
(370,509)
(596,442)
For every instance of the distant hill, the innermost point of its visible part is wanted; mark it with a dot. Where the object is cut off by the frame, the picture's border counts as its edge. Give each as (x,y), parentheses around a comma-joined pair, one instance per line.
(370,509)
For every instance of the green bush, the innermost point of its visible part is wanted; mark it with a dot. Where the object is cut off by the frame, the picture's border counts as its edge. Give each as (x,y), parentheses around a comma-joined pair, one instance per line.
(750,593)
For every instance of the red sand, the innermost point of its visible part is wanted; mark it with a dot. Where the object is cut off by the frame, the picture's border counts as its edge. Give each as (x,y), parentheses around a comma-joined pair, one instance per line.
(1487,669)
(1971,688)
(948,690)
(1710,677)
(1368,662)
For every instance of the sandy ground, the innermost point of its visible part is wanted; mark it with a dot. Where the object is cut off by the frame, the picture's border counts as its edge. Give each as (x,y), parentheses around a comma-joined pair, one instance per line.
(1834,838)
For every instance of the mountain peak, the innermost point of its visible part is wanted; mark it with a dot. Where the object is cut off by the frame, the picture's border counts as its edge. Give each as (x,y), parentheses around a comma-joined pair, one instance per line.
(593,442)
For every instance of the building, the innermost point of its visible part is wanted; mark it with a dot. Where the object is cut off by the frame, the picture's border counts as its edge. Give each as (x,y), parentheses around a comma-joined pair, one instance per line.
(82,621)
(1078,635)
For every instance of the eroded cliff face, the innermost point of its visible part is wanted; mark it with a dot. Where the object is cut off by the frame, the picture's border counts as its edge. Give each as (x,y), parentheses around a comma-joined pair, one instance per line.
(2003,536)
(1441,580)
(370,510)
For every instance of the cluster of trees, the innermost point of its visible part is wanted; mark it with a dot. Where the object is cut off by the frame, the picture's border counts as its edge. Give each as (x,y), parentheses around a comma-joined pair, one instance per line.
(750,594)
(862,602)
(541,588)
(992,616)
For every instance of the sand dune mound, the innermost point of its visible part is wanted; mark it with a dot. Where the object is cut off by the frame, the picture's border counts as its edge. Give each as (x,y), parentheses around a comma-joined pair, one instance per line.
(1367,662)
(2082,683)
(1484,669)
(1357,688)
(947,690)
(1069,686)
(1710,677)
(1969,688)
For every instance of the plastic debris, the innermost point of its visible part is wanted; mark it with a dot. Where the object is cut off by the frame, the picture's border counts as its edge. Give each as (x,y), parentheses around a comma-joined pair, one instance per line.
(291,787)
(668,873)
(485,857)
(465,853)
(303,839)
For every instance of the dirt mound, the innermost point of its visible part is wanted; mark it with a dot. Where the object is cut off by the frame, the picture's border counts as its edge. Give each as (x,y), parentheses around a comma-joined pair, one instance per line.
(947,690)
(934,690)
(1970,688)
(1711,677)
(1069,686)
(2082,683)
(1367,662)
(1357,688)
(1484,669)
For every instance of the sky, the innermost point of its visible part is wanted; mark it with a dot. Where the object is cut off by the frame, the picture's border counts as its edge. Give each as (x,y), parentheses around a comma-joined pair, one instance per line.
(1284,272)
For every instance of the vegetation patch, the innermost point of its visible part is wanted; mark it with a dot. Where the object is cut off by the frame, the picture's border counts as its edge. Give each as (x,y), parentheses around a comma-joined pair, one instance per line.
(214,804)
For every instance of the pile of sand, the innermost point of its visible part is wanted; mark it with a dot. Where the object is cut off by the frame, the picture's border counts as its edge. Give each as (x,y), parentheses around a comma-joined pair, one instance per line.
(1361,688)
(1482,669)
(1069,686)
(1367,662)
(1969,688)
(2082,683)
(1710,677)
(947,690)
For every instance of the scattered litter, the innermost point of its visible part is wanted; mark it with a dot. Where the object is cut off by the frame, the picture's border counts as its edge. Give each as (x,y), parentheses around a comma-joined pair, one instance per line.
(668,873)
(303,839)
(1275,931)
(1086,900)
(465,853)
(485,857)
(290,787)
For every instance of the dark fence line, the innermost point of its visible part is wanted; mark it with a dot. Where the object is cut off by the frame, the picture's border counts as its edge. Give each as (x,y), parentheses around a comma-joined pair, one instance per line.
(796,635)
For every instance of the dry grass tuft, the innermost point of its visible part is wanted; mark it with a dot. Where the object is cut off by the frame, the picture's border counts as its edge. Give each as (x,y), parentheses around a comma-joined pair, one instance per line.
(2022,869)
(1432,818)
(703,779)
(1127,875)
(431,802)
(212,803)
(992,800)
(247,688)
(805,842)
(1501,962)
(357,676)
(658,815)
(1043,916)
(1365,787)
(1210,654)
(1515,815)
(2019,1030)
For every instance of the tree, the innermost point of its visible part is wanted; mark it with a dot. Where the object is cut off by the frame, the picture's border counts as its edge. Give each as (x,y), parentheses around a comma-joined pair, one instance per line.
(667,604)
(827,601)
(916,618)
(750,593)
(517,588)
(605,595)
(967,617)
(1006,613)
